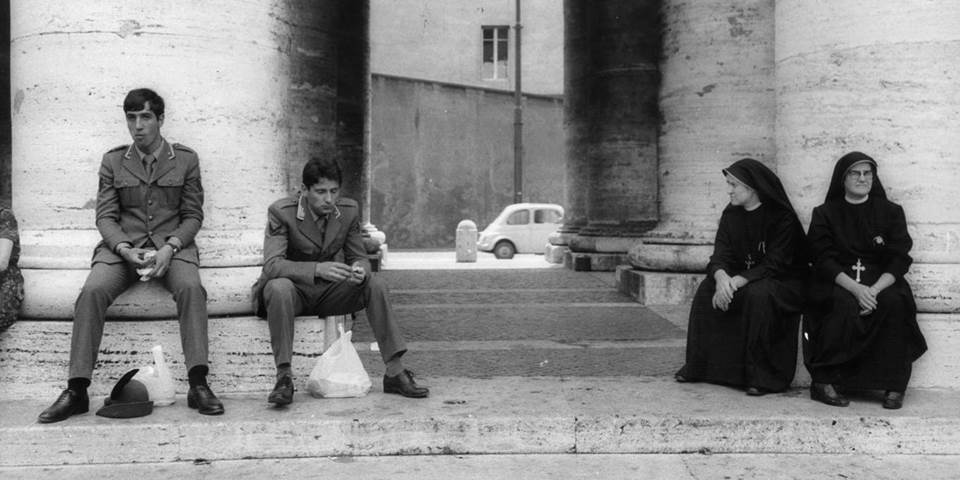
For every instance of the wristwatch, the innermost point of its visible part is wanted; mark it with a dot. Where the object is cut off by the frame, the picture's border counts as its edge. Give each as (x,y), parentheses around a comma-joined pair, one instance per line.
(174,247)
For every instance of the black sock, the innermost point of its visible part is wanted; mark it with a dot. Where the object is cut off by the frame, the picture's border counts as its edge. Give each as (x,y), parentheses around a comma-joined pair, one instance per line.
(78,384)
(284,369)
(198,376)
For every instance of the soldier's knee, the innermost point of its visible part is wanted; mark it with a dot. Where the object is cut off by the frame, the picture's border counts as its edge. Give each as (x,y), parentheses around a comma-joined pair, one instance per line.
(277,288)
(375,286)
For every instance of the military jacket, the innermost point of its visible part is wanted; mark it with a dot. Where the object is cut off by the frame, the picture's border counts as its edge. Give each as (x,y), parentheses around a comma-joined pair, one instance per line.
(293,243)
(134,207)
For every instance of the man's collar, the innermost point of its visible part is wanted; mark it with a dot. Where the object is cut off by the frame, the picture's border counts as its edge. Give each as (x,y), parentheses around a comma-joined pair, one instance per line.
(133,151)
(303,208)
(156,153)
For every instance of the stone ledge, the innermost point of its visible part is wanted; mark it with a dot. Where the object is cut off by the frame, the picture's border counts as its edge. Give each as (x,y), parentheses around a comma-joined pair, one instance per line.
(938,368)
(593,262)
(34,354)
(555,253)
(936,287)
(657,288)
(500,415)
(51,294)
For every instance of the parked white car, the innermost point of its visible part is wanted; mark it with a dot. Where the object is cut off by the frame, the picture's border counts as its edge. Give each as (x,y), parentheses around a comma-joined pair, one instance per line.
(521,228)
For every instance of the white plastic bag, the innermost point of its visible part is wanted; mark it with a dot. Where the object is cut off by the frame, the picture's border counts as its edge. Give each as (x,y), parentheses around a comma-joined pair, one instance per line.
(158,380)
(339,372)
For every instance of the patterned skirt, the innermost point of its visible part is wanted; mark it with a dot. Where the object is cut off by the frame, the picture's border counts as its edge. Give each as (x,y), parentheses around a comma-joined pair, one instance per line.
(11,296)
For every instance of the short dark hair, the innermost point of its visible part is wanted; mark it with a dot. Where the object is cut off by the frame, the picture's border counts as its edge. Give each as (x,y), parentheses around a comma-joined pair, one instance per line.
(137,98)
(321,167)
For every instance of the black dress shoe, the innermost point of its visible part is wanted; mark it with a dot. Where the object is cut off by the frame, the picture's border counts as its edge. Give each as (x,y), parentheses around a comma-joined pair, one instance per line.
(282,393)
(202,399)
(680,378)
(68,403)
(893,399)
(756,391)
(824,392)
(405,385)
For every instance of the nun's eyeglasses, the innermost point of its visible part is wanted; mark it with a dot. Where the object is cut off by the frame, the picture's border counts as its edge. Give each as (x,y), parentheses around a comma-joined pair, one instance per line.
(860,173)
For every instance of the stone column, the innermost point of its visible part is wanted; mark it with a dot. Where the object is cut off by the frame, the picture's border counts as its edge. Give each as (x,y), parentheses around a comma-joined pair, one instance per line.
(718,106)
(611,51)
(251,91)
(329,98)
(882,78)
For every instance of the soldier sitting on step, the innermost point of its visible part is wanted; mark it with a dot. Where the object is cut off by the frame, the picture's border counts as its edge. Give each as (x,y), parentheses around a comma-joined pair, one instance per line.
(149,209)
(303,237)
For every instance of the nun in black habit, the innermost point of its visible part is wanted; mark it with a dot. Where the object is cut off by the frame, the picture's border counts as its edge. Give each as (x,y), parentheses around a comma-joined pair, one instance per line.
(860,330)
(744,318)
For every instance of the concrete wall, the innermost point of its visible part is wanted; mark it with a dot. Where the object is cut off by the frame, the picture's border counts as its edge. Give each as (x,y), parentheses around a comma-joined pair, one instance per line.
(440,40)
(444,153)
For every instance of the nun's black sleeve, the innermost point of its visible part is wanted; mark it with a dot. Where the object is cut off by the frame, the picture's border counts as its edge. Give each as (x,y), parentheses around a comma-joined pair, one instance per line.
(896,256)
(823,246)
(724,256)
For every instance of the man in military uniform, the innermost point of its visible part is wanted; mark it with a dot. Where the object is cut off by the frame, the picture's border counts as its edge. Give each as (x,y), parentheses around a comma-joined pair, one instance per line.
(149,209)
(301,273)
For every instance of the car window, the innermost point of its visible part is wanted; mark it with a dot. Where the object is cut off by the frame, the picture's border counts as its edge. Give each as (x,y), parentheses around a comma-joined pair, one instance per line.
(546,216)
(520,217)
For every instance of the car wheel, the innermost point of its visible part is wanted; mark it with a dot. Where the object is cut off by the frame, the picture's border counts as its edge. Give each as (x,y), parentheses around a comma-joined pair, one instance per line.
(504,250)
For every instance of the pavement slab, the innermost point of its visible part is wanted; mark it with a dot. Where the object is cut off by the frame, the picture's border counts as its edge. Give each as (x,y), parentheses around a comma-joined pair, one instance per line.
(502,415)
(524,466)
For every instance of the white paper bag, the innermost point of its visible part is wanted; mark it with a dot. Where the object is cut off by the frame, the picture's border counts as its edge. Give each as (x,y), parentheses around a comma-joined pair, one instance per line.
(339,372)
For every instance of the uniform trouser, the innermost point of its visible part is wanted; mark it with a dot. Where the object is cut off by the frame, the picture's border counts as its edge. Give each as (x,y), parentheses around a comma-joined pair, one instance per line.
(107,281)
(284,299)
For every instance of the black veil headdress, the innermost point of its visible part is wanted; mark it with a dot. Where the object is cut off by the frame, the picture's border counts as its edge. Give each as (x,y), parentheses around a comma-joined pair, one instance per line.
(836,190)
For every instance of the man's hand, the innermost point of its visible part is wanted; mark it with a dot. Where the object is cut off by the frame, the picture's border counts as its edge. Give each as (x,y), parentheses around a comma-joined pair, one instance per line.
(136,256)
(333,271)
(161,262)
(357,273)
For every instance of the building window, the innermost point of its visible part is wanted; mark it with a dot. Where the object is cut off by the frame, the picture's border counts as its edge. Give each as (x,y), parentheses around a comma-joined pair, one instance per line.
(495,48)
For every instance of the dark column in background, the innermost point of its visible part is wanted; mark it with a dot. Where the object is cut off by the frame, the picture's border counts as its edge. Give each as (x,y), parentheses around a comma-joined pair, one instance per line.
(329,78)
(5,138)
(611,118)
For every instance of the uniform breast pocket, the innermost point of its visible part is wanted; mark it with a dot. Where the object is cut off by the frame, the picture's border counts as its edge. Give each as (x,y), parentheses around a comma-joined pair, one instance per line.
(171,186)
(129,190)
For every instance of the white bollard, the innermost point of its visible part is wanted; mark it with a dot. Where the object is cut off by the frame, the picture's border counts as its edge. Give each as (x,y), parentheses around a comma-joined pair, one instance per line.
(466,241)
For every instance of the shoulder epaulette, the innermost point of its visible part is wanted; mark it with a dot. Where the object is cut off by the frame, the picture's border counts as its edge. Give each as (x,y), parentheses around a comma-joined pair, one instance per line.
(286,202)
(180,146)
(121,147)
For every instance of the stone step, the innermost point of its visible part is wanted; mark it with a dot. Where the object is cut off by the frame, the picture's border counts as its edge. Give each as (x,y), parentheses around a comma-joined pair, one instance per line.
(50,294)
(492,279)
(683,466)
(515,415)
(513,296)
(478,341)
